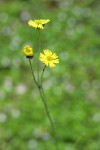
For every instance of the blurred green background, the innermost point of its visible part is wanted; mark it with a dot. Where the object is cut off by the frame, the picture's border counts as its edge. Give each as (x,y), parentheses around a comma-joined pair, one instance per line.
(72,88)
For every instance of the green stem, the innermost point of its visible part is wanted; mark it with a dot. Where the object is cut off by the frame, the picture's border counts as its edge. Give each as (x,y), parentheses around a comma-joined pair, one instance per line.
(47,110)
(42,94)
(39,42)
(42,75)
(32,72)
(41,91)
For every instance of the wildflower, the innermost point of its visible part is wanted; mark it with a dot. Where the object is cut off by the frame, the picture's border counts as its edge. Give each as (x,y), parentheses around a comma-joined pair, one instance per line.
(28,51)
(39,24)
(48,58)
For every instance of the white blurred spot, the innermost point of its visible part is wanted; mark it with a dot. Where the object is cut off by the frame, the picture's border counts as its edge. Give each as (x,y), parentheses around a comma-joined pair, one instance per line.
(25,15)
(5,62)
(2,95)
(38,133)
(70,33)
(32,144)
(91,95)
(77,11)
(85,85)
(7,31)
(71,22)
(15,43)
(15,113)
(69,87)
(64,56)
(8,85)
(64,5)
(96,117)
(48,83)
(16,61)
(20,89)
(45,136)
(3,117)
(62,16)
(96,84)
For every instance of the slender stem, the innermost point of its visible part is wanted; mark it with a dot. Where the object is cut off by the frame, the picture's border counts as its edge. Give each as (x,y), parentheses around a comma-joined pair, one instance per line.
(39,42)
(42,94)
(41,90)
(32,72)
(42,75)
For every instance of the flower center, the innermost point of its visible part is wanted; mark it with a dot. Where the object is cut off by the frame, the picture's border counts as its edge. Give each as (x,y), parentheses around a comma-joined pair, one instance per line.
(38,22)
(28,50)
(49,58)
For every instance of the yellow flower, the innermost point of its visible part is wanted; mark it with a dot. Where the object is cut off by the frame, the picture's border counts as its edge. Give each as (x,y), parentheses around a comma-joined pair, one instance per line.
(39,24)
(48,58)
(28,51)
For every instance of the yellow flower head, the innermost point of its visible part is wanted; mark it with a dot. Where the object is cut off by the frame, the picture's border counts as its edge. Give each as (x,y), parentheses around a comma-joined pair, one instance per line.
(28,51)
(39,24)
(48,58)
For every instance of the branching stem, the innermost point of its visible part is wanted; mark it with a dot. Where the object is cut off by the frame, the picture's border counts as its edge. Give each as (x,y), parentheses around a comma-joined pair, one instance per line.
(42,94)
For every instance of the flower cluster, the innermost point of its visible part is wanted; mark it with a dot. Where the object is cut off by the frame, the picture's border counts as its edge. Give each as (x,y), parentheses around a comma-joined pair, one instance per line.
(47,57)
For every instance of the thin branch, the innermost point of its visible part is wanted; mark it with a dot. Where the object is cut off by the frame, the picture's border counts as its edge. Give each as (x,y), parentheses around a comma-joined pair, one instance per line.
(33,72)
(39,42)
(42,75)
